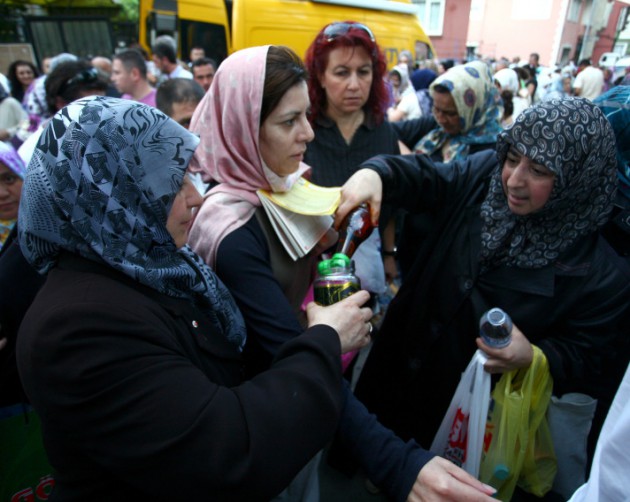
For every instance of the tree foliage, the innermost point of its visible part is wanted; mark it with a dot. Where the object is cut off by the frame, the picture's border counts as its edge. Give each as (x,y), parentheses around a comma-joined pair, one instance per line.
(129,10)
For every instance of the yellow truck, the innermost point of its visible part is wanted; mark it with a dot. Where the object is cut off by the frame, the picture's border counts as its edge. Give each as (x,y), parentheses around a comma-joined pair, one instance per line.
(224,26)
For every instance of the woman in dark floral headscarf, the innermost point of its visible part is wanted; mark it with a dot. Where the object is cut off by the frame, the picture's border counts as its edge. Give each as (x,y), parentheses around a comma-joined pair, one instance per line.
(517,229)
(468,112)
(131,351)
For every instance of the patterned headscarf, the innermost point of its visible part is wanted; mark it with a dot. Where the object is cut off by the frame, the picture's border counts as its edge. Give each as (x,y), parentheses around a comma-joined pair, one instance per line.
(101,184)
(479,106)
(616,106)
(228,121)
(10,158)
(573,139)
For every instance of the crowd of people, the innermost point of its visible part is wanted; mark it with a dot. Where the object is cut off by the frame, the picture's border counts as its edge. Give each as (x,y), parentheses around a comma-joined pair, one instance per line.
(158,328)
(523,84)
(129,74)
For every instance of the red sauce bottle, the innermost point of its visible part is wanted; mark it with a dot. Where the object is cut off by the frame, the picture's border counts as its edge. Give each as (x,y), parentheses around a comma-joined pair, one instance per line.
(355,228)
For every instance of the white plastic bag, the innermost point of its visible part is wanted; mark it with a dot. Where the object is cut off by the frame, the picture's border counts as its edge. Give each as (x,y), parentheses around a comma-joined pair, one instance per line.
(460,436)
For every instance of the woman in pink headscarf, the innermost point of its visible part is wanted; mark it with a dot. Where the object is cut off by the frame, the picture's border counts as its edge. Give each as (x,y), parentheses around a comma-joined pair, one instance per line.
(254,130)
(229,122)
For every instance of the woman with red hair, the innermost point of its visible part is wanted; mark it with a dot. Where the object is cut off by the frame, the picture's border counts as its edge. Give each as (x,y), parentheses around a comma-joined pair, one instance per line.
(349,99)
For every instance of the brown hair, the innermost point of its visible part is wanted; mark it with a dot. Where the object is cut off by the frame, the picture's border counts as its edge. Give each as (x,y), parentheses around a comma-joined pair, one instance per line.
(284,69)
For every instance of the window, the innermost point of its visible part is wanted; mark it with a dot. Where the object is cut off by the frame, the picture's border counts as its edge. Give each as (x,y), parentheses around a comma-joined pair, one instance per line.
(211,37)
(623,19)
(528,10)
(471,51)
(574,11)
(81,36)
(565,55)
(477,8)
(587,13)
(431,14)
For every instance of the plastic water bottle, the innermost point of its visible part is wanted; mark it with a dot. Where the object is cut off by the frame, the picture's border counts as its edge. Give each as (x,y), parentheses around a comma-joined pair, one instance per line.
(495,328)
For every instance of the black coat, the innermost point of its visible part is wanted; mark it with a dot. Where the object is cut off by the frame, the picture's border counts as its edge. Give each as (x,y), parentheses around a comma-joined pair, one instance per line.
(19,284)
(140,399)
(416,227)
(576,310)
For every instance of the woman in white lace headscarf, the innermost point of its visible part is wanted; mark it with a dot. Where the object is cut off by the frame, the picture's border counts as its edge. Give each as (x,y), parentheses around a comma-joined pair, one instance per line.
(406,105)
(508,84)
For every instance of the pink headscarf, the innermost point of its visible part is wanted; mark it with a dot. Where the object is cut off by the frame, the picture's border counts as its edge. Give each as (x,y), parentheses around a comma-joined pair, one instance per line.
(228,122)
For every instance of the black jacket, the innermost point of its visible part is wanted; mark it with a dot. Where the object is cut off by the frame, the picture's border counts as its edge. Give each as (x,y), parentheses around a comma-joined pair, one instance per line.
(576,310)
(416,227)
(141,400)
(19,284)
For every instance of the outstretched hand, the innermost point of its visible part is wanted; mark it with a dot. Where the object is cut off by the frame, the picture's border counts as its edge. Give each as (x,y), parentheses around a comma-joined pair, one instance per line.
(442,481)
(518,354)
(363,186)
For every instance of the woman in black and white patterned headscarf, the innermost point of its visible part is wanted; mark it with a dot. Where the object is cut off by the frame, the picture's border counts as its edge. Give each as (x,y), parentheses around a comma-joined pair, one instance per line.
(516,229)
(566,152)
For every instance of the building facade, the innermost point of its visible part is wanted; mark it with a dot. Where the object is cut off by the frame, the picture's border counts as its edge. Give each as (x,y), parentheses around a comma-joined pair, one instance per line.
(558,30)
(446,23)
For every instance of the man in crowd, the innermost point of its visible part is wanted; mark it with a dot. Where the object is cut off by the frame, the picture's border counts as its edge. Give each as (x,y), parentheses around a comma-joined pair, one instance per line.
(533,64)
(178,98)
(129,74)
(589,82)
(165,59)
(196,53)
(104,66)
(203,72)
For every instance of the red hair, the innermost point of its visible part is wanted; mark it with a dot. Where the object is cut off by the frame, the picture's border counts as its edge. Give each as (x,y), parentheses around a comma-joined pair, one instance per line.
(317,59)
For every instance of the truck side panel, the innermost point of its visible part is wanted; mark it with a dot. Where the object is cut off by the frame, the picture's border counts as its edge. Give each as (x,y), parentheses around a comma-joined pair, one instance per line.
(295,23)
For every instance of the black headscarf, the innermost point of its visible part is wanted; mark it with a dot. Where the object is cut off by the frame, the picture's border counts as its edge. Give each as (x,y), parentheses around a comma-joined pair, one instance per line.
(573,139)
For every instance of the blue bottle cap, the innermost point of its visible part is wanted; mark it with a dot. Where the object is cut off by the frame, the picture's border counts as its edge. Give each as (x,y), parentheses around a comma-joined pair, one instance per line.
(501,472)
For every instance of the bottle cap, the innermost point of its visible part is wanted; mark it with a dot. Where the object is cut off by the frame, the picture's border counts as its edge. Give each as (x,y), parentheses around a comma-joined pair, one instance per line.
(501,472)
(496,316)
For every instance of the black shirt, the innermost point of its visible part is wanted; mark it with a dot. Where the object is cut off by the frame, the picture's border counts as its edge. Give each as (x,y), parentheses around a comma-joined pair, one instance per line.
(333,160)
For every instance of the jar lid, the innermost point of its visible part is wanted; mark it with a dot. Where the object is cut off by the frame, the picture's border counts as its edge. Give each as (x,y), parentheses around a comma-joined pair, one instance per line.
(338,261)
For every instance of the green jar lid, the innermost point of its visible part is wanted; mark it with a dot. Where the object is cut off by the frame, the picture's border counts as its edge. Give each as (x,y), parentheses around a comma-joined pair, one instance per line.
(338,260)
